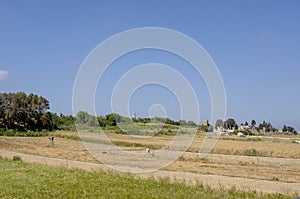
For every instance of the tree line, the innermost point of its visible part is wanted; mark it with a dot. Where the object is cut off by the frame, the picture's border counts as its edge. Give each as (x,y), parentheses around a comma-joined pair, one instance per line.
(266,127)
(112,119)
(23,112)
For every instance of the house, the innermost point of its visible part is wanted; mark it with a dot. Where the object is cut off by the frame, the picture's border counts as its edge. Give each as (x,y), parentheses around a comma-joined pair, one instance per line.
(205,123)
(244,128)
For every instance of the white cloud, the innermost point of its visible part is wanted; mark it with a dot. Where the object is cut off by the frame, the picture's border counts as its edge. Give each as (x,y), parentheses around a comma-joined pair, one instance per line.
(3,74)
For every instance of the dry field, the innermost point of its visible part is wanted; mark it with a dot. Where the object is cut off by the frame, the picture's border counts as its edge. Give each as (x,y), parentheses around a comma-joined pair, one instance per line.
(277,161)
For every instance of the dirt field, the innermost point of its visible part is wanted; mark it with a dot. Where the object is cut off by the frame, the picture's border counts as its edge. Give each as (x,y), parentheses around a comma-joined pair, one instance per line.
(274,162)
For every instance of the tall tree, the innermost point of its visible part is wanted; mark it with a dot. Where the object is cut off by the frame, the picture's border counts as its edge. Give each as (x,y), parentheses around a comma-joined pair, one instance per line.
(230,124)
(19,111)
(253,123)
(219,123)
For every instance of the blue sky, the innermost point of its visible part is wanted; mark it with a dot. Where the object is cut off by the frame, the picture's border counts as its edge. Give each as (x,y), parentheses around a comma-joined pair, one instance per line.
(255,44)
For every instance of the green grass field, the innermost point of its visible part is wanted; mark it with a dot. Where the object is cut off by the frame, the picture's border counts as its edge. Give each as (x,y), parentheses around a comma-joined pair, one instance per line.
(23,180)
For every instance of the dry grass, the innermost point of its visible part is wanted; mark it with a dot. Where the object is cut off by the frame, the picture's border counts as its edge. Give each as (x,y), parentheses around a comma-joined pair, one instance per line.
(264,148)
(62,148)
(231,161)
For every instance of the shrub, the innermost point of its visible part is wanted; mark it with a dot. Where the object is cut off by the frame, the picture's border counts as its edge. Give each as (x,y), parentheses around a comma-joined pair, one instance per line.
(12,132)
(17,158)
(252,152)
(248,132)
(275,178)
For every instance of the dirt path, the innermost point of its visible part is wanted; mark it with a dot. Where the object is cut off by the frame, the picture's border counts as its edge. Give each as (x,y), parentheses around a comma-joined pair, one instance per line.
(215,181)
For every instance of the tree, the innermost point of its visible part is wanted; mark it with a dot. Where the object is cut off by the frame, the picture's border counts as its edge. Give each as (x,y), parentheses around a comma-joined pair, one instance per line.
(230,124)
(267,127)
(92,121)
(82,117)
(24,112)
(284,129)
(102,121)
(292,130)
(210,129)
(270,127)
(289,129)
(63,122)
(262,125)
(182,122)
(253,123)
(191,124)
(246,123)
(219,123)
(111,119)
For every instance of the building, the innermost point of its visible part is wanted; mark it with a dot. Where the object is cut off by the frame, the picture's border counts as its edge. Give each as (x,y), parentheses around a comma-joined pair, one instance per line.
(205,123)
(134,115)
(244,128)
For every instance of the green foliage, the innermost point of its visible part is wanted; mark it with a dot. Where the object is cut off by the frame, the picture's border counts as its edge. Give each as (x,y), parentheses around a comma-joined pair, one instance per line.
(63,122)
(169,121)
(275,178)
(203,128)
(206,129)
(23,134)
(248,132)
(102,121)
(172,122)
(266,126)
(168,132)
(112,119)
(289,129)
(230,124)
(70,137)
(252,152)
(24,112)
(141,120)
(248,139)
(83,118)
(17,158)
(253,123)
(22,180)
(21,114)
(191,124)
(27,113)
(129,144)
(210,129)
(219,123)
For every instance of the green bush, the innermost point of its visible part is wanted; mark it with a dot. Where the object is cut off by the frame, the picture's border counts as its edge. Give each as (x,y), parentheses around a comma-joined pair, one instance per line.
(248,132)
(17,158)
(12,133)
